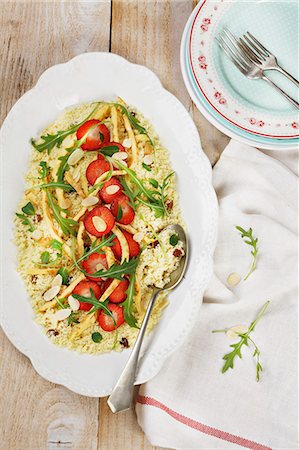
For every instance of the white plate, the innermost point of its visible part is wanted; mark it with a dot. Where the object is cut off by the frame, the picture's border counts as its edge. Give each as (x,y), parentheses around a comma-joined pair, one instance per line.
(88,77)
(247,110)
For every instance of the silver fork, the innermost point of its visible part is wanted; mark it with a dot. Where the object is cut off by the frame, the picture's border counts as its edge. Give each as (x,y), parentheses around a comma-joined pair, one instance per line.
(236,54)
(262,57)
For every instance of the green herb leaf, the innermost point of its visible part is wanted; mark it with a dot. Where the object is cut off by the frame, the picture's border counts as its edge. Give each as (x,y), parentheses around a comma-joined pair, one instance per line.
(116,270)
(44,169)
(68,226)
(96,337)
(51,140)
(129,193)
(45,257)
(154,182)
(25,221)
(107,242)
(96,304)
(28,209)
(229,358)
(146,167)
(129,302)
(253,243)
(72,318)
(64,274)
(134,122)
(109,150)
(55,184)
(119,213)
(56,245)
(173,240)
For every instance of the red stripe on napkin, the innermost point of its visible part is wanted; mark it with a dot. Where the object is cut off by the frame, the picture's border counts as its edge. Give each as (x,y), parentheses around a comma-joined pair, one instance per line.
(200,426)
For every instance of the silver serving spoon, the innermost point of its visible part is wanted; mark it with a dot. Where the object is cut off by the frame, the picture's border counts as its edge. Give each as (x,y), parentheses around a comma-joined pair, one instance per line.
(122,395)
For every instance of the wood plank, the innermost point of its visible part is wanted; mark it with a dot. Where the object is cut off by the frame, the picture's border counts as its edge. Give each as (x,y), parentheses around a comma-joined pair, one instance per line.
(36,414)
(149,33)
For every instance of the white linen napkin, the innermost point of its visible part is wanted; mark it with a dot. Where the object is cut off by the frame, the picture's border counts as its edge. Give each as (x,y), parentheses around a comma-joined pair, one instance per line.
(190,404)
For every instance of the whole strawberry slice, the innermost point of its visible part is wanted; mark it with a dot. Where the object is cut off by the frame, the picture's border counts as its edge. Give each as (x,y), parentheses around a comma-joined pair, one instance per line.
(111,190)
(134,248)
(97,137)
(99,221)
(96,169)
(83,289)
(106,322)
(122,210)
(95,262)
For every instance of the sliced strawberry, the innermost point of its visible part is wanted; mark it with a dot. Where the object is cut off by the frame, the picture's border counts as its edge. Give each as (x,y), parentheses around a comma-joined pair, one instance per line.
(111,190)
(95,226)
(134,247)
(83,288)
(106,322)
(95,262)
(96,169)
(119,293)
(97,137)
(117,144)
(121,209)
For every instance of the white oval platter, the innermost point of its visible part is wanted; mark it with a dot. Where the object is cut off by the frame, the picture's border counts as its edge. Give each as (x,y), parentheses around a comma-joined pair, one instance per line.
(89,77)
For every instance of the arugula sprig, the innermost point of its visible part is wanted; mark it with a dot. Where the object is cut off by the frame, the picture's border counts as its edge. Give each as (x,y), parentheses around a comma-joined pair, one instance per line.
(68,226)
(115,271)
(154,198)
(54,185)
(229,358)
(96,304)
(128,303)
(95,247)
(51,140)
(253,243)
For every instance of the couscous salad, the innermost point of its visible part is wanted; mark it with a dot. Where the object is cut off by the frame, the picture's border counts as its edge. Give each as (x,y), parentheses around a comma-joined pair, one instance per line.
(99,189)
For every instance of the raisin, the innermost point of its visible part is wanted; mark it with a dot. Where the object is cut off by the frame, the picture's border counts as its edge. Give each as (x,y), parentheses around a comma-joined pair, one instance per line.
(177,252)
(169,204)
(33,279)
(124,342)
(53,332)
(155,243)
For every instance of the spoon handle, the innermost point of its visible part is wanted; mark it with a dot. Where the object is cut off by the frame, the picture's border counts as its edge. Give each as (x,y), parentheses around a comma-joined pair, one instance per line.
(122,395)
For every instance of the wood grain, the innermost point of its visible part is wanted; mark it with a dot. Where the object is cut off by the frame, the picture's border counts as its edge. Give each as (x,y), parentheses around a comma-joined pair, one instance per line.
(36,414)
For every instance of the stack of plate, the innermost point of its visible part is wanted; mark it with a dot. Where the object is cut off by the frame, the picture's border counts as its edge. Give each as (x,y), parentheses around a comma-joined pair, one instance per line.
(247,110)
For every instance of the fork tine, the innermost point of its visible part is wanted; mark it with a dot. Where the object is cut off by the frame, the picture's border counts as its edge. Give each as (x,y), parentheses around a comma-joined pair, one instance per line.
(261,48)
(249,52)
(238,51)
(230,55)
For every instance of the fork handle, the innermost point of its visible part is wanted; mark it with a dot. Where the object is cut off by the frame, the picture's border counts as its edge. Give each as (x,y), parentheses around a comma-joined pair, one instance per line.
(291,100)
(288,75)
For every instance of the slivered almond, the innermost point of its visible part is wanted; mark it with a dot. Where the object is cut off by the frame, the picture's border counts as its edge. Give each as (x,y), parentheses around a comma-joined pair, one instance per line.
(99,224)
(77,173)
(57,281)
(148,148)
(65,203)
(68,141)
(75,157)
(233,279)
(138,236)
(127,143)
(37,234)
(74,303)
(148,160)
(233,332)
(90,201)
(112,189)
(51,293)
(120,156)
(62,314)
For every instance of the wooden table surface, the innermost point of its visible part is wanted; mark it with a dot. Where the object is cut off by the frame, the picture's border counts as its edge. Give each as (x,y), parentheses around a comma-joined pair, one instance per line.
(36,414)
